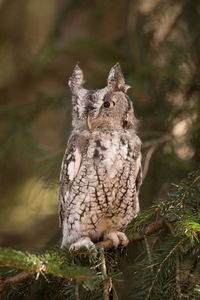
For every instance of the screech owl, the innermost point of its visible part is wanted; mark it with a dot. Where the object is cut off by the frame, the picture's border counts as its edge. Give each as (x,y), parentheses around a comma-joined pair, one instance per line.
(101,170)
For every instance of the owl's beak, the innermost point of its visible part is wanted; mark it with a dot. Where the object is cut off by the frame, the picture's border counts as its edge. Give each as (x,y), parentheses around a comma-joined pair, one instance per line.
(89,122)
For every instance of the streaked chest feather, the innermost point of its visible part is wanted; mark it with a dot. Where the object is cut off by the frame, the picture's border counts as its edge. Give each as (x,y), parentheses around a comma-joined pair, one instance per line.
(109,149)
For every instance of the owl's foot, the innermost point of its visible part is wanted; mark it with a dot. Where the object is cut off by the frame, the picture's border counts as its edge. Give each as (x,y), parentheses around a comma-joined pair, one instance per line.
(118,238)
(83,242)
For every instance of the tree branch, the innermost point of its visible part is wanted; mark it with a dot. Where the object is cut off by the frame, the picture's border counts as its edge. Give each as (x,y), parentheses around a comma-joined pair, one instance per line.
(106,284)
(161,264)
(138,236)
(21,277)
(150,229)
(147,161)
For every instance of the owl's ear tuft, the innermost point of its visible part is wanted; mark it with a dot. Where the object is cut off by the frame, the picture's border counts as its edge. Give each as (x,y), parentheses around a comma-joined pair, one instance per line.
(76,81)
(116,79)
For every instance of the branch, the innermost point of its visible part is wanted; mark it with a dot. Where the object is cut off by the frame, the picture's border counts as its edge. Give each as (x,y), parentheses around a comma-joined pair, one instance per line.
(76,293)
(147,161)
(156,142)
(106,285)
(160,207)
(21,277)
(148,249)
(107,244)
(32,265)
(150,229)
(186,191)
(138,236)
(152,147)
(161,264)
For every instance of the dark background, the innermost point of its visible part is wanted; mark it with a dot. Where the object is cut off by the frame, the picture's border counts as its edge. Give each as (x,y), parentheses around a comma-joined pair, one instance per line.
(157,45)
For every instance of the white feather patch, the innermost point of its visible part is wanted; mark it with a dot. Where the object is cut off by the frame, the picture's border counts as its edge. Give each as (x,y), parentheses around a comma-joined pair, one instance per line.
(74,166)
(70,170)
(78,158)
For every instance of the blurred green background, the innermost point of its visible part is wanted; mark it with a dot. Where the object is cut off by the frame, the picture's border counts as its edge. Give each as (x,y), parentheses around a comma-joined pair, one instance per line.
(157,44)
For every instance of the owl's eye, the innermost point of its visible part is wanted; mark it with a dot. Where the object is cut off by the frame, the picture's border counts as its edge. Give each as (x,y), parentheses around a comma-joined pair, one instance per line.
(109,104)
(75,108)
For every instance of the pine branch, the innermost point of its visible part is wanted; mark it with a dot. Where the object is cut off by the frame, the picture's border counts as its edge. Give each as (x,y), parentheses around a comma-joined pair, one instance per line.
(138,236)
(178,214)
(21,277)
(53,263)
(186,191)
(106,284)
(149,229)
(161,264)
(148,249)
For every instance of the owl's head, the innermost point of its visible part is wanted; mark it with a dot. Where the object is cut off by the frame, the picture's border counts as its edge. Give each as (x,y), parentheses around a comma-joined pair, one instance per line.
(107,107)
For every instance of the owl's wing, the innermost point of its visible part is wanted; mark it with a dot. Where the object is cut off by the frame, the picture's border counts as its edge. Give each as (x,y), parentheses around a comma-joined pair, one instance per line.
(69,170)
(138,167)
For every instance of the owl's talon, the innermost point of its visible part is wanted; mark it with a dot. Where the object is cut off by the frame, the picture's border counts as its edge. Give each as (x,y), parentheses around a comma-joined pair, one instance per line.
(123,238)
(118,238)
(83,242)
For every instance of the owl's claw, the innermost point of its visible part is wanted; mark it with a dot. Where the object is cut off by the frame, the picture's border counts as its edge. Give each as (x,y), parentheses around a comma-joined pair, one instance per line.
(118,238)
(83,242)
(123,239)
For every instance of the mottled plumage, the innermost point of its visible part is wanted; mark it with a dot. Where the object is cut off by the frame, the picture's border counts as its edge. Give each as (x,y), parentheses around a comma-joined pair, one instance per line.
(101,169)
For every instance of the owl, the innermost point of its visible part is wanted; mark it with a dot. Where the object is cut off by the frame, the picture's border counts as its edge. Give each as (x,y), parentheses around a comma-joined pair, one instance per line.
(101,170)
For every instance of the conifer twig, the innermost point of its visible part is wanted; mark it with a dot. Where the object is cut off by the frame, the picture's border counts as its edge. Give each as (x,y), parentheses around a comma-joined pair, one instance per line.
(76,292)
(115,296)
(169,203)
(147,267)
(14,279)
(106,284)
(186,191)
(149,229)
(161,264)
(44,270)
(148,249)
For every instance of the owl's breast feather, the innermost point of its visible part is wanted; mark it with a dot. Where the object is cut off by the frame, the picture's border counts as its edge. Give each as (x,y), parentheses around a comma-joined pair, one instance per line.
(109,152)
